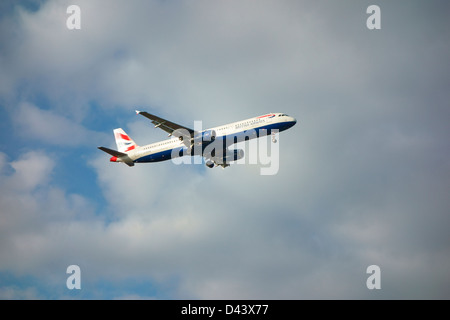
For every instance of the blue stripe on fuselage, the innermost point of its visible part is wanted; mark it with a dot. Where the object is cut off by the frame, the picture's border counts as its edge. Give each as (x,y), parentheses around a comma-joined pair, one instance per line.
(160,156)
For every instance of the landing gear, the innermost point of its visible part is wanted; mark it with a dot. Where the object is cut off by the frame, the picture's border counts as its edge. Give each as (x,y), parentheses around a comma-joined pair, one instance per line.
(274,140)
(211,164)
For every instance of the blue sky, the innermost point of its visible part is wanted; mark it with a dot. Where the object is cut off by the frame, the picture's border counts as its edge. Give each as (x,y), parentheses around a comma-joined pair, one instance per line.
(363,177)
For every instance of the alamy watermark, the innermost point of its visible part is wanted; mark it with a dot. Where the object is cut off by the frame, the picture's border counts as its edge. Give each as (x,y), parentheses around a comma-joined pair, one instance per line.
(73,22)
(74,280)
(374,280)
(250,146)
(374,20)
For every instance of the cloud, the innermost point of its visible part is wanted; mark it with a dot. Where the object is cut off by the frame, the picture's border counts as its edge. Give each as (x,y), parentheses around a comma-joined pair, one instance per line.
(14,293)
(31,170)
(48,127)
(31,208)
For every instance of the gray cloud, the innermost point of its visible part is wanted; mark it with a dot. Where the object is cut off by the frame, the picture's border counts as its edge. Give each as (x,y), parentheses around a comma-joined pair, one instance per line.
(48,127)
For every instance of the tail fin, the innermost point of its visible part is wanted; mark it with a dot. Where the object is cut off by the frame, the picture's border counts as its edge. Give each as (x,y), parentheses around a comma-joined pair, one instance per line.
(123,141)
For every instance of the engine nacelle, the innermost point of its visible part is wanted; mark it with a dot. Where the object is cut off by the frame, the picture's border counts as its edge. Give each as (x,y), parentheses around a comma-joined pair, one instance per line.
(233,155)
(205,136)
(210,164)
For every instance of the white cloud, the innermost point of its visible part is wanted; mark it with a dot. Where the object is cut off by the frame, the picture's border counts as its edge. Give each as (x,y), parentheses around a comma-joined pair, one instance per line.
(35,217)
(31,170)
(49,127)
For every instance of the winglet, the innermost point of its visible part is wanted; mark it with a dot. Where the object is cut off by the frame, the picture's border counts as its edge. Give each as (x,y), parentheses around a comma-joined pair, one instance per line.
(137,112)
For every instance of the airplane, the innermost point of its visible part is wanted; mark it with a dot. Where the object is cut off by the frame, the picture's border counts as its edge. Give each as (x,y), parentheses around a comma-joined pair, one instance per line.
(212,144)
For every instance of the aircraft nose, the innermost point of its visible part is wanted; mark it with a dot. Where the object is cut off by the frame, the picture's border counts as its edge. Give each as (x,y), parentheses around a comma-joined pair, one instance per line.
(291,122)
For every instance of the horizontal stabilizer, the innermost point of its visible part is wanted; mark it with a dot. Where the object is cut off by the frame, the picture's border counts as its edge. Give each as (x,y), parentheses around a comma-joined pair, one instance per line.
(112,152)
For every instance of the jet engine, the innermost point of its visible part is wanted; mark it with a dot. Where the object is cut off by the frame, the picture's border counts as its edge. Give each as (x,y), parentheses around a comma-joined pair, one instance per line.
(233,155)
(207,135)
(229,156)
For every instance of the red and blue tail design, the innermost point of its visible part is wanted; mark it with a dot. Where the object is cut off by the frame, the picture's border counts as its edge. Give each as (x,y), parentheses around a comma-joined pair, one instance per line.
(123,141)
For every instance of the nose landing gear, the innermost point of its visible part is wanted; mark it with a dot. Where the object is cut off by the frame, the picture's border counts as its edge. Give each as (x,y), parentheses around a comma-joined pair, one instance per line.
(274,140)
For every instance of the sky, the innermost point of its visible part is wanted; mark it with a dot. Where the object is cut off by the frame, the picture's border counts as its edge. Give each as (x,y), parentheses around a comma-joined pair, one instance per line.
(363,179)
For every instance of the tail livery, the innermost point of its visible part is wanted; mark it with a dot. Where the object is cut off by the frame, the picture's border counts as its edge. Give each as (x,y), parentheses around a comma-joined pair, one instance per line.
(123,141)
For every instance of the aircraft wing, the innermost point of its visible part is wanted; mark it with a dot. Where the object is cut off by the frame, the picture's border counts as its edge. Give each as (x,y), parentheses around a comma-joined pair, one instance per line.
(172,128)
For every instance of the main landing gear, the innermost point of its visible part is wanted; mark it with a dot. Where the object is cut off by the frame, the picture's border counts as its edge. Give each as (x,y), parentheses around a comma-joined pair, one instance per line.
(211,164)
